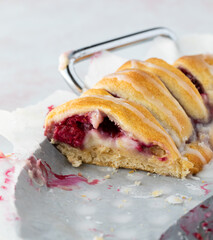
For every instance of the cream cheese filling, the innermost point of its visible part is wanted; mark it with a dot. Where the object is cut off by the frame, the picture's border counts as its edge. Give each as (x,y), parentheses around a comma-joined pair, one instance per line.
(94,138)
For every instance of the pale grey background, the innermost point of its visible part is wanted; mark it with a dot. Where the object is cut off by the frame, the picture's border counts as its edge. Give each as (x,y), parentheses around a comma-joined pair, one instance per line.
(34,33)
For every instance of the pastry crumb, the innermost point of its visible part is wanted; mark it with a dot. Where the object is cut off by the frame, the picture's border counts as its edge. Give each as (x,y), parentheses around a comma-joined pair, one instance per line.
(107,176)
(157,193)
(185,210)
(98,238)
(127,190)
(98,222)
(132,171)
(83,195)
(115,170)
(174,199)
(148,174)
(137,183)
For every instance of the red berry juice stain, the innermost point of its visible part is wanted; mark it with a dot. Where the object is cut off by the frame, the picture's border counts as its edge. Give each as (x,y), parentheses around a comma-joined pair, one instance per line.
(203,187)
(95,230)
(198,236)
(50,108)
(7,180)
(9,171)
(204,224)
(2,155)
(203,206)
(101,232)
(185,229)
(95,55)
(17,218)
(208,215)
(42,173)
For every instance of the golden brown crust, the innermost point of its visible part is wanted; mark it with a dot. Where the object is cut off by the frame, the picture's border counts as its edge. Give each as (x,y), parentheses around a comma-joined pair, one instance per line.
(177,83)
(94,91)
(211,135)
(146,89)
(199,155)
(201,67)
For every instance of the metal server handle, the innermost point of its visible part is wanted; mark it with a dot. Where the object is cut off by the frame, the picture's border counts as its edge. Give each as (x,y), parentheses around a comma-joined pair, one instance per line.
(68,59)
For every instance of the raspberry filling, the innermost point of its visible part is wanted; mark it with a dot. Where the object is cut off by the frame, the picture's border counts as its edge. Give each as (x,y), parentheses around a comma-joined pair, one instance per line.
(109,129)
(200,89)
(114,95)
(73,131)
(151,148)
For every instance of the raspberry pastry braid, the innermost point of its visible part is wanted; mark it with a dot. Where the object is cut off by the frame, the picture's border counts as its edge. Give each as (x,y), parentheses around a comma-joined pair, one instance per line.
(146,89)
(108,131)
(139,118)
(199,69)
(177,83)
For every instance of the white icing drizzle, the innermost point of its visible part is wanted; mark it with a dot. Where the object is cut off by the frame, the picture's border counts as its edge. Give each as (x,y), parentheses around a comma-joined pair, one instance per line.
(179,81)
(153,100)
(161,88)
(140,114)
(196,153)
(134,64)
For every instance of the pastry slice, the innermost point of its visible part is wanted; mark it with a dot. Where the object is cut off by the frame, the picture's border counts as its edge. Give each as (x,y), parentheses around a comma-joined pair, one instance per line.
(146,89)
(199,69)
(108,131)
(199,152)
(177,83)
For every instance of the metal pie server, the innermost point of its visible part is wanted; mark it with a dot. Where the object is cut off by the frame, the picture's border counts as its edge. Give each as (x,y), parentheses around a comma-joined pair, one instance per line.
(196,224)
(68,59)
